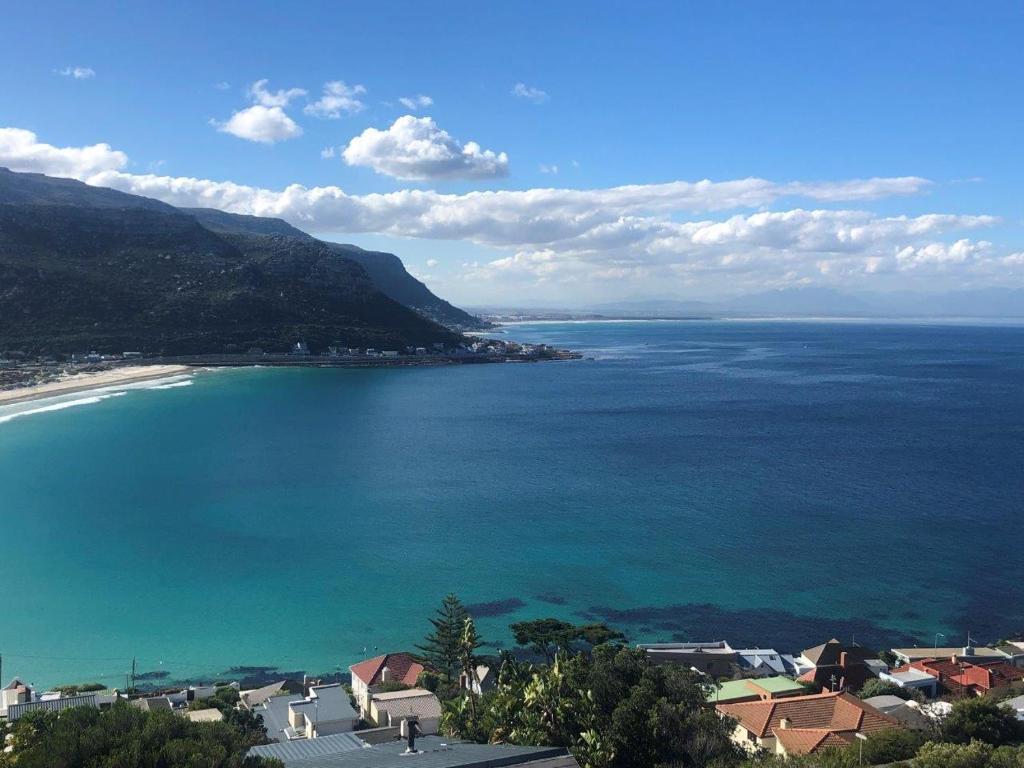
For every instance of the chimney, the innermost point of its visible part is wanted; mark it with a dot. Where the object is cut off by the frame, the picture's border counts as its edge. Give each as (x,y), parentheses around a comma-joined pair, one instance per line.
(784,723)
(409,728)
(842,659)
(295,718)
(385,675)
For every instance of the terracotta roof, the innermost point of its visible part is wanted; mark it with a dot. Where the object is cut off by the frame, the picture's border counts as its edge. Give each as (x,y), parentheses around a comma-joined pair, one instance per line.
(828,711)
(402,666)
(803,741)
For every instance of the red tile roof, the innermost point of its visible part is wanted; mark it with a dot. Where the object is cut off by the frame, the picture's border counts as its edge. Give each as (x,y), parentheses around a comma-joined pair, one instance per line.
(964,674)
(803,741)
(402,666)
(833,712)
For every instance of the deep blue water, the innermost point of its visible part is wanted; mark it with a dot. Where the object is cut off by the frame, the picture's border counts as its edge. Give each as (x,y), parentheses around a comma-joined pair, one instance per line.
(772,483)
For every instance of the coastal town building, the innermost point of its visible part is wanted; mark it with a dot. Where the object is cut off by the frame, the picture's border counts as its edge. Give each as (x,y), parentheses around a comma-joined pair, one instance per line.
(17,691)
(210,715)
(1017,705)
(970,653)
(802,725)
(58,704)
(836,667)
(388,709)
(486,679)
(759,689)
(348,751)
(715,659)
(958,676)
(392,668)
(324,712)
(909,713)
(766,662)
(912,679)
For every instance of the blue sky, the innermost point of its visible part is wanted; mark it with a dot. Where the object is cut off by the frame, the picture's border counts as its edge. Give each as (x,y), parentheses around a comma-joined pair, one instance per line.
(612,94)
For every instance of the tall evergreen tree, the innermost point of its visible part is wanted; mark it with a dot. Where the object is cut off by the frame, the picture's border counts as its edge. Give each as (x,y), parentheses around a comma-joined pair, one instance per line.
(442,646)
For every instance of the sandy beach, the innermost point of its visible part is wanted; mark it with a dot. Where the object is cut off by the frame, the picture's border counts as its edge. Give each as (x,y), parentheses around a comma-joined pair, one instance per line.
(83,382)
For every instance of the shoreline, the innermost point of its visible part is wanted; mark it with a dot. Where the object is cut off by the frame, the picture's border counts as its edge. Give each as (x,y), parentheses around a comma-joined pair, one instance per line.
(88,382)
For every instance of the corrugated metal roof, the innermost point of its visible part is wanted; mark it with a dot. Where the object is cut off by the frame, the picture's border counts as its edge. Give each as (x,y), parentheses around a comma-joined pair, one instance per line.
(434,752)
(15,711)
(301,749)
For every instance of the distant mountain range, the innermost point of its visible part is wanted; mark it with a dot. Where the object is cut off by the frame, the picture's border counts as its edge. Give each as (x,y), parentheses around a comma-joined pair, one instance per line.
(828,302)
(88,268)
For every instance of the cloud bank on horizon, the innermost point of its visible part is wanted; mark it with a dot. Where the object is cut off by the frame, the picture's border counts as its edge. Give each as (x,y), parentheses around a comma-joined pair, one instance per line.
(664,235)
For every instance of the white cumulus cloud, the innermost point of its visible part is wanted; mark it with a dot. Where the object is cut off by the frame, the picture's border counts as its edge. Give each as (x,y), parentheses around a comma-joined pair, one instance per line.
(416,102)
(530,93)
(266,125)
(337,99)
(657,236)
(261,95)
(416,148)
(78,73)
(21,150)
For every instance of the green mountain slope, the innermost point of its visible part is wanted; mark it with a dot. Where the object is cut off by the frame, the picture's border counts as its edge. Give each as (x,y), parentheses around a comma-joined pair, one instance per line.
(84,268)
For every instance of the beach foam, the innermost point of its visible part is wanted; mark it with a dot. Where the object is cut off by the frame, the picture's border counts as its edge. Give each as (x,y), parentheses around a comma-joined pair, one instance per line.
(34,407)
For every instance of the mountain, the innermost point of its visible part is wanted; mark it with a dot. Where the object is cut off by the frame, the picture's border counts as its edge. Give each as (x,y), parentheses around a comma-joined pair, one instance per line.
(385,269)
(85,268)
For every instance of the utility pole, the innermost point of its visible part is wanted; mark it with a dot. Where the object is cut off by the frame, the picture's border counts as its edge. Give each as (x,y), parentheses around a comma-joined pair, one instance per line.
(133,674)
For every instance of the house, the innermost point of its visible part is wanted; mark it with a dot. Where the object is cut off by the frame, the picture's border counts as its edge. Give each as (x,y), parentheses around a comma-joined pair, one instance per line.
(1013,653)
(800,725)
(486,680)
(210,715)
(399,668)
(253,697)
(389,709)
(766,662)
(1017,705)
(154,703)
(959,676)
(15,692)
(760,689)
(913,679)
(909,713)
(837,667)
(968,653)
(715,659)
(347,751)
(327,710)
(16,711)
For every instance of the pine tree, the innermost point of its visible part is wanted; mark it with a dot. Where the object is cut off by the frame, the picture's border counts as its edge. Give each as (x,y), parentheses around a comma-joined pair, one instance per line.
(441,647)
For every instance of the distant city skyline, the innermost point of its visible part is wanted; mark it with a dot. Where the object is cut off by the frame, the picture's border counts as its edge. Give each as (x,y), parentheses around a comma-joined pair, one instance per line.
(518,154)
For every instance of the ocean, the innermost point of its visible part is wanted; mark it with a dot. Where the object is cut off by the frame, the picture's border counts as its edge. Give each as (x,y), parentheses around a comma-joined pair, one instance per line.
(770,483)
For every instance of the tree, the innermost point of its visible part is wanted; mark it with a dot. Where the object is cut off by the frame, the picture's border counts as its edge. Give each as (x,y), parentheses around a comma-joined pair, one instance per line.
(877,687)
(441,646)
(611,708)
(984,720)
(546,637)
(128,736)
(976,754)
(468,644)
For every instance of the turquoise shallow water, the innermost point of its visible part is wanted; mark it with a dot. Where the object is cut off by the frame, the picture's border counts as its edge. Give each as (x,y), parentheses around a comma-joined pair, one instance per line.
(772,483)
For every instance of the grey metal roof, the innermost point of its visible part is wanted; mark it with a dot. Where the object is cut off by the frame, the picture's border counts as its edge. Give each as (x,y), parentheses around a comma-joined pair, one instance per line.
(15,711)
(434,752)
(274,712)
(302,749)
(333,703)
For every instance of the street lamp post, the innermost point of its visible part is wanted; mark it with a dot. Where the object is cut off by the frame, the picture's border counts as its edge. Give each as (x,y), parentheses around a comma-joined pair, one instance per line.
(861,738)
(936,646)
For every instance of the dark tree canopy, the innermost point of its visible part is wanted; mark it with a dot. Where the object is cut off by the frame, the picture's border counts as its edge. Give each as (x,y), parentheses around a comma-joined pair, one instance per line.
(127,737)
